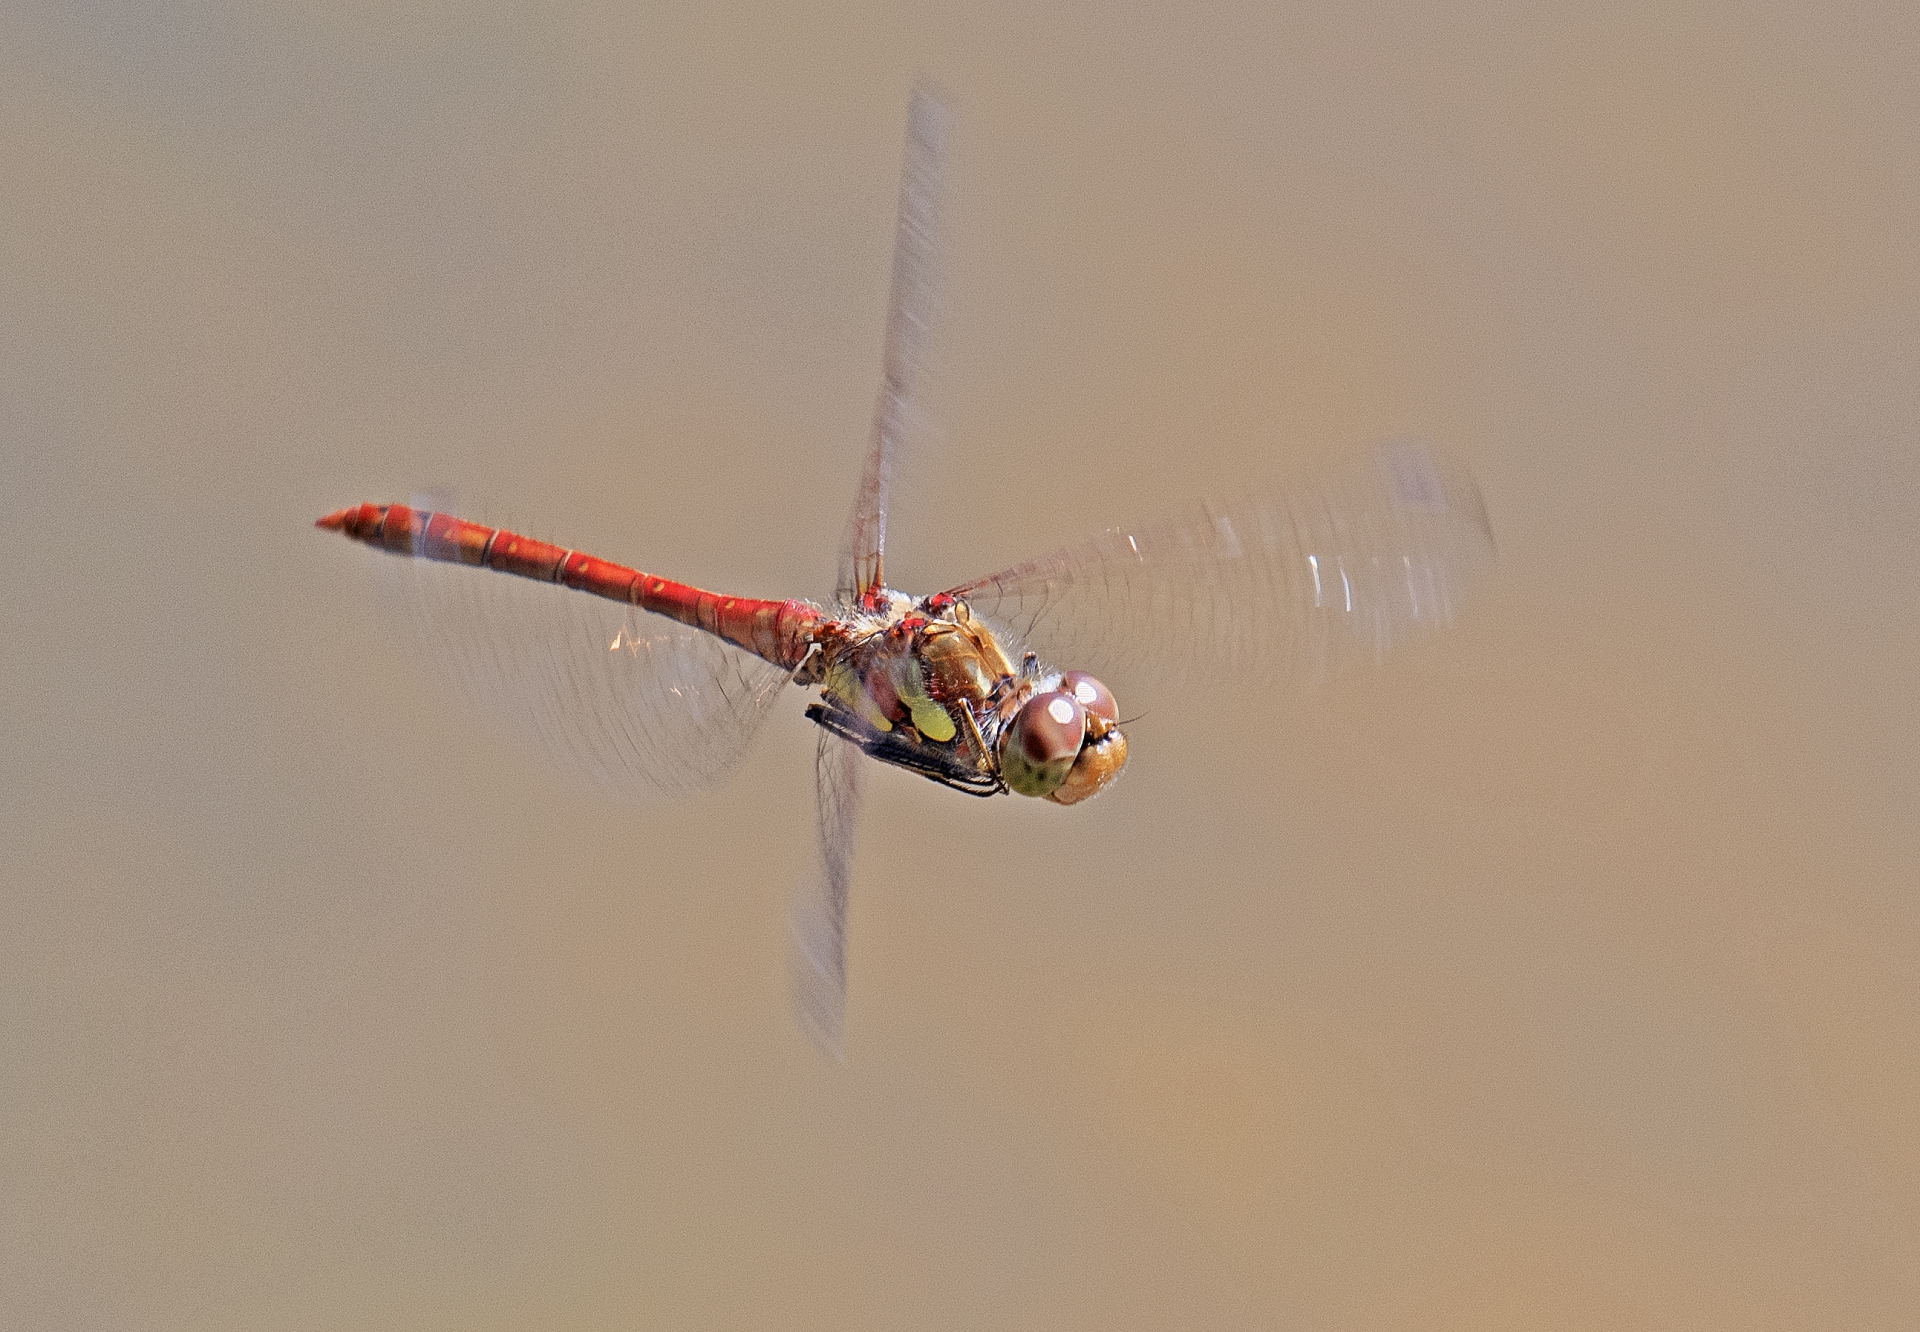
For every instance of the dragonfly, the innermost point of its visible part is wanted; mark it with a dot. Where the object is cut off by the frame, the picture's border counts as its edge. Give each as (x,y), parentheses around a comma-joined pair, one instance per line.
(1281,585)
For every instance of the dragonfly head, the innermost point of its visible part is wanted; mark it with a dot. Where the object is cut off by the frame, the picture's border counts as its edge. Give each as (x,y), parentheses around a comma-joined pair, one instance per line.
(1064,744)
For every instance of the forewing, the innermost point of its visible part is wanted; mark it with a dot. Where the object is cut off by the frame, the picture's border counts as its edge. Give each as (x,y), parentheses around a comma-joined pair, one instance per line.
(820,912)
(635,703)
(910,310)
(1284,585)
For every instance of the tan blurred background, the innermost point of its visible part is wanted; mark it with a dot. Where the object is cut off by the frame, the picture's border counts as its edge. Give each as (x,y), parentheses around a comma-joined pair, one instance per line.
(1563,974)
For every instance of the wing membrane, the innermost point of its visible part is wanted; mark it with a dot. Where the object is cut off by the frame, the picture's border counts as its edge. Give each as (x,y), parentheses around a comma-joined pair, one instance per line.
(820,913)
(910,310)
(638,705)
(1286,585)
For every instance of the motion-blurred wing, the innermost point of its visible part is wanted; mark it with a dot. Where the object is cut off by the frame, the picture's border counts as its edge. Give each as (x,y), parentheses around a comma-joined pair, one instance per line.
(639,705)
(910,309)
(820,913)
(1287,584)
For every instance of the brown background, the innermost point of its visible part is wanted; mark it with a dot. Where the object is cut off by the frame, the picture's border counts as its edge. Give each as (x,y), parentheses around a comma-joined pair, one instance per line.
(1565,973)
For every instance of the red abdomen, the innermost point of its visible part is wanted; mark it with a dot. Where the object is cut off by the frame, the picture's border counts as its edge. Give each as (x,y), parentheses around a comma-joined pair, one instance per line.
(777,631)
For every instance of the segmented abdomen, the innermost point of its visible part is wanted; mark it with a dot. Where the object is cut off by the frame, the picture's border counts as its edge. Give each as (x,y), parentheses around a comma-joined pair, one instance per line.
(777,631)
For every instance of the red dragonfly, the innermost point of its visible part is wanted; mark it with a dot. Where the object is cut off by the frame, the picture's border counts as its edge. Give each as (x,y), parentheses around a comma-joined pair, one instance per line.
(1284,584)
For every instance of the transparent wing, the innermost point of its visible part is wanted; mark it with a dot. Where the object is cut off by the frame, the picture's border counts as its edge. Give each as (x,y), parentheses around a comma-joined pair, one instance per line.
(639,705)
(1286,584)
(820,912)
(910,309)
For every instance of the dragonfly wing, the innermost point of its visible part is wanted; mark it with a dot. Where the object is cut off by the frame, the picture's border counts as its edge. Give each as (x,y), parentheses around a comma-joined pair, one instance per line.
(637,704)
(910,309)
(1285,585)
(820,913)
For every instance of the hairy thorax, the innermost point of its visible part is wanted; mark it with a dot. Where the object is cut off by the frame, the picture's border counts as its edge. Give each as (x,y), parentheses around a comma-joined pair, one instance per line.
(926,686)
(925,674)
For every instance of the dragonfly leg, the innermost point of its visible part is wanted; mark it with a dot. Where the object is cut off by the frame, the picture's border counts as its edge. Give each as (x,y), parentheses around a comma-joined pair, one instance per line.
(935,763)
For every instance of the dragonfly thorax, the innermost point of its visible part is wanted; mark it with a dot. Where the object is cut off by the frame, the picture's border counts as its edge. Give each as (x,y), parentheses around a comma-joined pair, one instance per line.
(925,686)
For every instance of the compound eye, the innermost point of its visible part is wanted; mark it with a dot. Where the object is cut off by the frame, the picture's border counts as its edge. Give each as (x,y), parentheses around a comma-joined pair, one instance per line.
(1041,743)
(1091,695)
